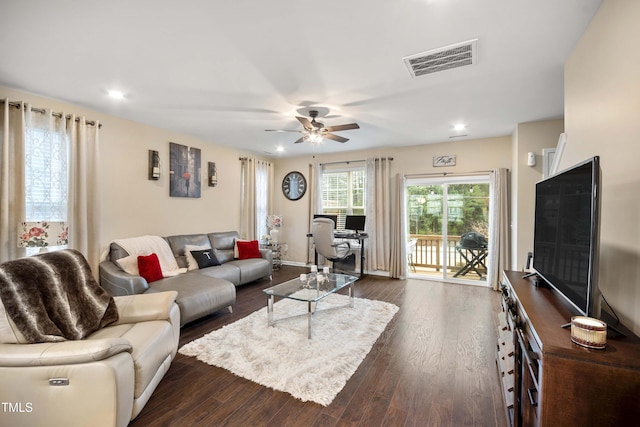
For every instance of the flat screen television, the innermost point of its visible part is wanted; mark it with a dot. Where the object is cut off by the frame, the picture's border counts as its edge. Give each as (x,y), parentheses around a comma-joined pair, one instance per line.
(566,235)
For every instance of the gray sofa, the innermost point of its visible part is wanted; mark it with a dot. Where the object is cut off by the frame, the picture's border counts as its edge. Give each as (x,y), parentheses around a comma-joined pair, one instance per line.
(200,291)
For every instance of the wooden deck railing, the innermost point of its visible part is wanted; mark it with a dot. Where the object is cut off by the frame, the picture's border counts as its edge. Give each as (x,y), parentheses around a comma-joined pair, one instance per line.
(428,252)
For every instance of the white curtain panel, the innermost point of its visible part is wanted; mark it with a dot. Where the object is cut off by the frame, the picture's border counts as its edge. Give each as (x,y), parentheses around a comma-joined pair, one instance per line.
(12,130)
(315,203)
(264,180)
(499,226)
(398,268)
(84,188)
(248,209)
(378,208)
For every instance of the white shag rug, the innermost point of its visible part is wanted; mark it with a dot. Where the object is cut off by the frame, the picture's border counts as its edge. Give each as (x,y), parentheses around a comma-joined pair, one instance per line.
(282,358)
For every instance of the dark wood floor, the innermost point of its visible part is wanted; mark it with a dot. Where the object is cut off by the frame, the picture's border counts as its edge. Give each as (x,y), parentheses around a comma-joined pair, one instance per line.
(433,366)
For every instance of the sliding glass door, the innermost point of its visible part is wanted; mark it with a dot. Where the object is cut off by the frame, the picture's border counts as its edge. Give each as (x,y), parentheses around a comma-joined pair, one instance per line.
(448,225)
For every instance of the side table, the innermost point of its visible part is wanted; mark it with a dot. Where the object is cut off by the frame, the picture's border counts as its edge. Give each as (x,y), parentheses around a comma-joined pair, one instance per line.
(276,253)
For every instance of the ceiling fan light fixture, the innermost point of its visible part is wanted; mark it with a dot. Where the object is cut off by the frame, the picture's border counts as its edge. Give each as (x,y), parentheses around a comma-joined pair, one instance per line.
(315,136)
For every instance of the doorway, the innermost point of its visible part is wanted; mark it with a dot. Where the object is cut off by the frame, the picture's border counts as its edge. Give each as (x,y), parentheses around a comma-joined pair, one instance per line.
(448,228)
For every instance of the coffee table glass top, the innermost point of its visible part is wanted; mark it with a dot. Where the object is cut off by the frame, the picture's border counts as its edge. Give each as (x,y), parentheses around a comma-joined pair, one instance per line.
(311,289)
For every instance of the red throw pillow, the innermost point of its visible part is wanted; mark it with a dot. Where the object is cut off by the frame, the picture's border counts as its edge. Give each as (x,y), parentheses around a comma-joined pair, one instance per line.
(149,267)
(248,250)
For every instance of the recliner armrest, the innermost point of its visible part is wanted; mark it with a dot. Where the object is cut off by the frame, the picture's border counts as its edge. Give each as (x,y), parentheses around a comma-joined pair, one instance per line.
(61,353)
(144,307)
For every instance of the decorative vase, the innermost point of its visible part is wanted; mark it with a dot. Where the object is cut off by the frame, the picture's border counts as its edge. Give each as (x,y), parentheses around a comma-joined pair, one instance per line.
(275,235)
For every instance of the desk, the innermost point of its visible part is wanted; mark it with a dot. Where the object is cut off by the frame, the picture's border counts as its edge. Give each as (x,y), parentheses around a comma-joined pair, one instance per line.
(474,258)
(360,237)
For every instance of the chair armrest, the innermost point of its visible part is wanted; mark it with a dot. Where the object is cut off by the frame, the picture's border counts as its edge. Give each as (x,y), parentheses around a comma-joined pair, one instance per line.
(343,243)
(118,282)
(61,353)
(145,307)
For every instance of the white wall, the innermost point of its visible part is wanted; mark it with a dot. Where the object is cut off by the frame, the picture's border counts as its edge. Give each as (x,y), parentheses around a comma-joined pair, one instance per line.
(602,117)
(132,205)
(472,155)
(528,137)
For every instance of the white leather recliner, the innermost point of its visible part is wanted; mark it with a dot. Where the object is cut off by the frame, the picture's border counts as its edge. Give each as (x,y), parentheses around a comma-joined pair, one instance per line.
(102,380)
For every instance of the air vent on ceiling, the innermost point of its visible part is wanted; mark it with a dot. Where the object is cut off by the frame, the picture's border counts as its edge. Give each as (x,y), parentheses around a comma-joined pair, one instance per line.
(445,58)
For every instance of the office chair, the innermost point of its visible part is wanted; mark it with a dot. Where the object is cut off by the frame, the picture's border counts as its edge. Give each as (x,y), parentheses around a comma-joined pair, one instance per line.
(322,231)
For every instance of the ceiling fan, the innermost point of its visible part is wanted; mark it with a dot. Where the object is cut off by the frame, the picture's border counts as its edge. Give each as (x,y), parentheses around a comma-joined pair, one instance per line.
(315,131)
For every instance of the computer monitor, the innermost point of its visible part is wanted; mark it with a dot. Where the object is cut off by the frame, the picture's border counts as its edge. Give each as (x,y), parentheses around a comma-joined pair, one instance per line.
(333,217)
(354,222)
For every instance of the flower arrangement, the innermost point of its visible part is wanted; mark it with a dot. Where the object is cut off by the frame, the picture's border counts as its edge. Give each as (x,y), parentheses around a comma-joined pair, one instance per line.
(274,221)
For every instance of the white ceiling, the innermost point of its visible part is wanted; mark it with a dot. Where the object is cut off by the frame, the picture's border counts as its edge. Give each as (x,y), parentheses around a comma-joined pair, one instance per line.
(225,71)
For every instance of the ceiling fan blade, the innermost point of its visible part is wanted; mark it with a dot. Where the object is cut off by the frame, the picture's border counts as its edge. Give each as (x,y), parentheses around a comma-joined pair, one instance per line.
(342,127)
(335,137)
(301,139)
(305,122)
(282,130)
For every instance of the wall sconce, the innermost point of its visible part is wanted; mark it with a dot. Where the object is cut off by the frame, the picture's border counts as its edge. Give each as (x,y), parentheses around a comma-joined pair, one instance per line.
(213,175)
(154,165)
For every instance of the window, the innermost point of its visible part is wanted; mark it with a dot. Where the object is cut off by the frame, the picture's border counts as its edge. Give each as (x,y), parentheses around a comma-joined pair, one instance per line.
(343,193)
(46,176)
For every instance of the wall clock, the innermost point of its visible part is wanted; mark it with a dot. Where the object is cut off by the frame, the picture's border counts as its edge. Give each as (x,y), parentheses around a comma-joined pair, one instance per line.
(294,185)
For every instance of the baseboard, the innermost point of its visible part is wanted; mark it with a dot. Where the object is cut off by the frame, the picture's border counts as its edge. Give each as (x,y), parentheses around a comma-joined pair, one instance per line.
(303,264)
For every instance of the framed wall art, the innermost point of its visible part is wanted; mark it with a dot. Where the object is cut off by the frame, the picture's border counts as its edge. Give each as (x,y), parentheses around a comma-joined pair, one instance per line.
(448,160)
(185,167)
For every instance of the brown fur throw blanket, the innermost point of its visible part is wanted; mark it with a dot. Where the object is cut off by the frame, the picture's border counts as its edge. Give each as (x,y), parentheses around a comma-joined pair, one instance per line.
(54,297)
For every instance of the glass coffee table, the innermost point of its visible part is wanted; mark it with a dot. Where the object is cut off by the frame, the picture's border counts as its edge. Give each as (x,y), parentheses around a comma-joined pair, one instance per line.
(309,288)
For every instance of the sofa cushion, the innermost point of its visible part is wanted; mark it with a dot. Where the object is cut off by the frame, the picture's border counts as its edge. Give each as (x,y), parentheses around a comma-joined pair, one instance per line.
(149,267)
(198,295)
(251,269)
(205,258)
(180,241)
(226,271)
(247,250)
(222,244)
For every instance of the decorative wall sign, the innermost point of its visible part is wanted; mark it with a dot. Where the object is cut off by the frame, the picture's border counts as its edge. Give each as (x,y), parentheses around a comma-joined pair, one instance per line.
(184,171)
(448,160)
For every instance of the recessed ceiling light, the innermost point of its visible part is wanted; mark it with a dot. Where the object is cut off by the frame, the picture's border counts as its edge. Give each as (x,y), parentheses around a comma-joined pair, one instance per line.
(115,94)
(280,148)
(459,127)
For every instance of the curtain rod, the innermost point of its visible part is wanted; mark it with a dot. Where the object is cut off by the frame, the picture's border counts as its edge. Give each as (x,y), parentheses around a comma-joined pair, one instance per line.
(436,174)
(42,111)
(350,161)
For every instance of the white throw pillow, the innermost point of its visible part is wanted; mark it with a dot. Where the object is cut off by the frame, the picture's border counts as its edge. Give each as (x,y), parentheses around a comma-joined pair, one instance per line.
(129,264)
(192,264)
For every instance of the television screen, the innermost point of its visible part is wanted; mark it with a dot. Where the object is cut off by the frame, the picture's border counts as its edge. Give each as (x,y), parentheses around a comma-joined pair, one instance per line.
(566,228)
(354,222)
